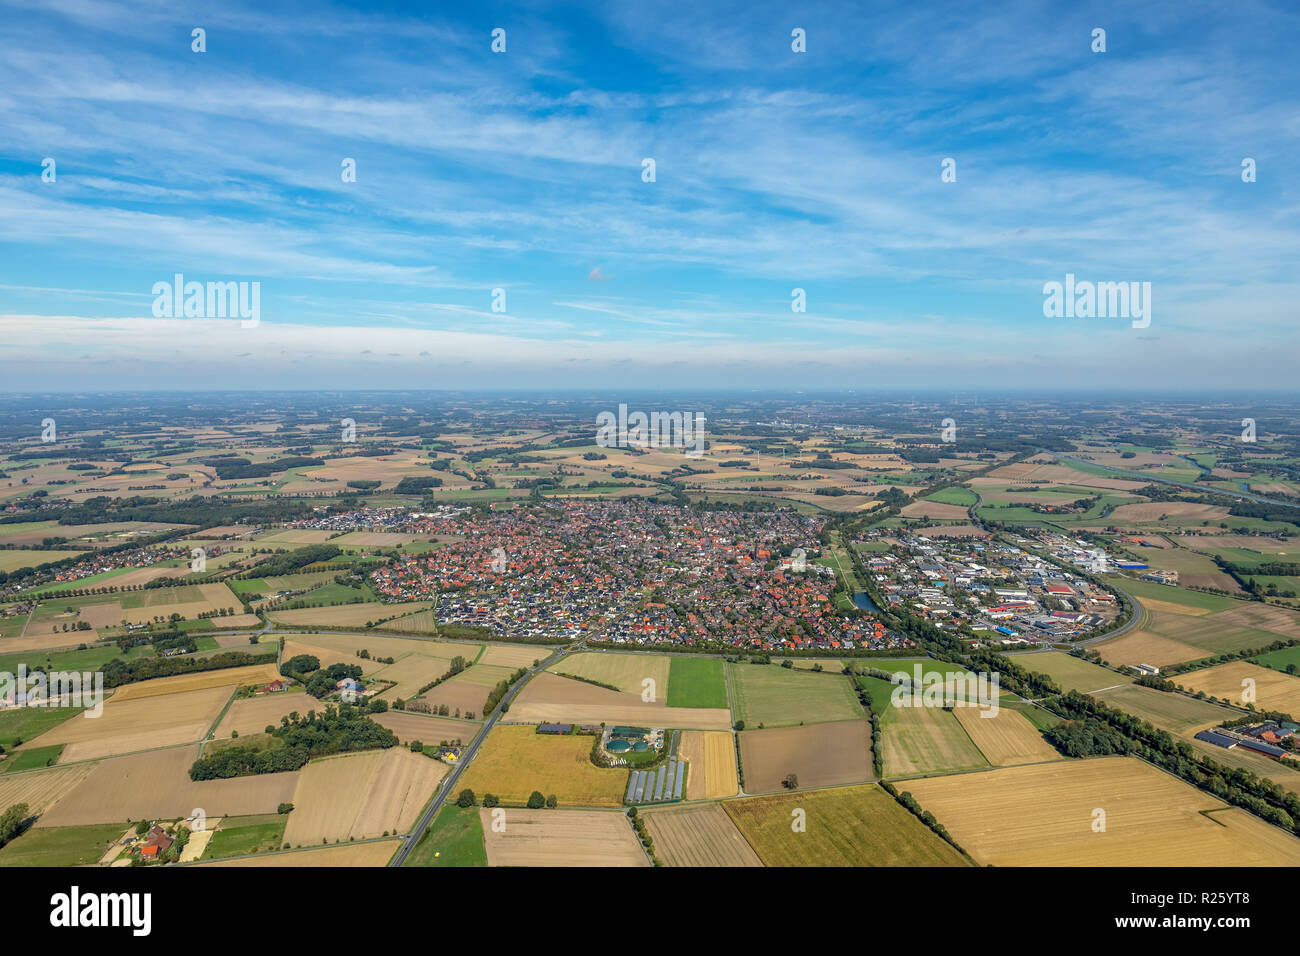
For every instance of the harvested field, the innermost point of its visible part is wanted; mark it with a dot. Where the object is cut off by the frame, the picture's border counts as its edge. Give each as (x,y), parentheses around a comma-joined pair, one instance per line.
(130,725)
(1043,815)
(361,795)
(845,826)
(562,838)
(13,560)
(42,789)
(460,697)
(374,853)
(624,671)
(1148,511)
(917,740)
(252,714)
(1169,607)
(712,759)
(548,697)
(1143,647)
(1071,673)
(1007,739)
(513,656)
(204,680)
(413,672)
(1273,690)
(515,760)
(157,785)
(780,696)
(344,615)
(820,755)
(428,730)
(1263,617)
(700,835)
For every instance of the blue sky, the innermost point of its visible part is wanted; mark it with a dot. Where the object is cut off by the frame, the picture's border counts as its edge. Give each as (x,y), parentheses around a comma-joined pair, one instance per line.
(522,171)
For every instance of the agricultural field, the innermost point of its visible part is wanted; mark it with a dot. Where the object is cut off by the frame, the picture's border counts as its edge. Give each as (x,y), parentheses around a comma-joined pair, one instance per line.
(921,740)
(1172,712)
(548,697)
(1043,815)
(252,714)
(1072,673)
(13,560)
(204,680)
(820,755)
(370,853)
(63,846)
(1006,739)
(513,656)
(562,838)
(846,826)
(698,835)
(773,696)
(360,796)
(627,672)
(240,836)
(428,730)
(1273,690)
(697,682)
(515,760)
(712,759)
(455,838)
(157,785)
(41,789)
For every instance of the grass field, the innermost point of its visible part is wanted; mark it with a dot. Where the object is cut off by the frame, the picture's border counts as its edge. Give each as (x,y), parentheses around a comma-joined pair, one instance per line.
(698,835)
(845,826)
(1071,673)
(238,836)
(773,696)
(24,723)
(60,846)
(32,758)
(1044,815)
(697,682)
(455,838)
(515,760)
(1172,712)
(1280,660)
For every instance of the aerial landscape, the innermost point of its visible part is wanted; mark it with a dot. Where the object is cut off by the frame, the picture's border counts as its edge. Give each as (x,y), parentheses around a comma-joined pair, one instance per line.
(597,436)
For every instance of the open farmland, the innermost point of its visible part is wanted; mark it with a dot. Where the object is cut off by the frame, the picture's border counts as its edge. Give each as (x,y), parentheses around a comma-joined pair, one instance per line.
(515,760)
(548,697)
(344,615)
(1172,712)
(1006,739)
(141,724)
(42,789)
(697,682)
(773,696)
(846,826)
(627,672)
(513,656)
(371,853)
(204,680)
(252,714)
(819,755)
(428,730)
(361,795)
(1072,673)
(698,835)
(918,740)
(1043,814)
(562,838)
(712,759)
(1273,690)
(157,785)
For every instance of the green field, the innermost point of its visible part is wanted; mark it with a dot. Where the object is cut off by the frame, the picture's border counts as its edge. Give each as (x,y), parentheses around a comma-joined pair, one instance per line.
(91,659)
(1071,673)
(768,695)
(953,496)
(27,723)
(846,826)
(1172,712)
(697,682)
(60,846)
(240,836)
(32,759)
(455,838)
(1163,592)
(1278,660)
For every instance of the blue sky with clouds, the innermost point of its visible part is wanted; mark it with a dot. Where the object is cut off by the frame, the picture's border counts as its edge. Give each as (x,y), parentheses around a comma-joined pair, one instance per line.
(523,171)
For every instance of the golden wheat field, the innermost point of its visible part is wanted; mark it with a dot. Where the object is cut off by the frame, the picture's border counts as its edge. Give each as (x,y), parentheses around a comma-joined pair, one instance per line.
(1273,690)
(560,838)
(361,795)
(711,755)
(228,677)
(41,789)
(1052,814)
(1007,739)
